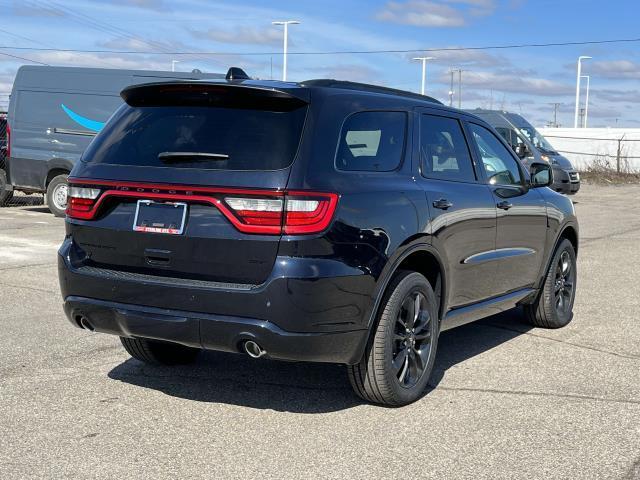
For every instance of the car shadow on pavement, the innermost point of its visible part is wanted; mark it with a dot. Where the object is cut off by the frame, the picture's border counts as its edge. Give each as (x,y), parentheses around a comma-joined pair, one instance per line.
(301,387)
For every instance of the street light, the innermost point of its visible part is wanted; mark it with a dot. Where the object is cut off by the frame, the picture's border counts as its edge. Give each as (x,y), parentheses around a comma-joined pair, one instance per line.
(580,58)
(424,70)
(173,65)
(286,24)
(586,101)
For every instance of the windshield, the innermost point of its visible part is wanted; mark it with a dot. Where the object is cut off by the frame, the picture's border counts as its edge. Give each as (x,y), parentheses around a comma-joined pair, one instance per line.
(537,140)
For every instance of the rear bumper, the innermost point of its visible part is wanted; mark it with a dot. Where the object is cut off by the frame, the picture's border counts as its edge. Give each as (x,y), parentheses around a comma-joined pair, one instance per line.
(213,332)
(309,309)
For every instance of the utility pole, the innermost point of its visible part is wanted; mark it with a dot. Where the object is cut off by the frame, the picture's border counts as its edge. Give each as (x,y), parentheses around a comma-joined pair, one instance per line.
(459,88)
(286,24)
(424,71)
(451,88)
(581,114)
(586,101)
(556,106)
(577,112)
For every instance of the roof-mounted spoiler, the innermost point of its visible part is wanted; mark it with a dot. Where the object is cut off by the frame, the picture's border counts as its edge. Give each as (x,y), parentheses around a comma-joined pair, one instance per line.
(200,93)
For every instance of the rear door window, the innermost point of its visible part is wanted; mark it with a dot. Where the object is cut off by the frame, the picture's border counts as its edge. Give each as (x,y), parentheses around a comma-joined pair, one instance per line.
(200,137)
(443,150)
(372,141)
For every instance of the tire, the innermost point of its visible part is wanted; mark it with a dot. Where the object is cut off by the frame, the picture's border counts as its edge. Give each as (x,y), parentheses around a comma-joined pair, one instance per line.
(385,375)
(5,195)
(554,306)
(57,195)
(159,353)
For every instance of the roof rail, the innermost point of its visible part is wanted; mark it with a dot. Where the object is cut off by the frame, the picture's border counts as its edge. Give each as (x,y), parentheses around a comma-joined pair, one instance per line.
(366,87)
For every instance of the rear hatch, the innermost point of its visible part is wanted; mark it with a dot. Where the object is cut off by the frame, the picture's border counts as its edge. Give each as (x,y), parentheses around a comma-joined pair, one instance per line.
(187,180)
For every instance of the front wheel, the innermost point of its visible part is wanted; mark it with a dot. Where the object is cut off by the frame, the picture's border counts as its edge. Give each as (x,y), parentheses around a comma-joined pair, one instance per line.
(57,191)
(554,306)
(398,360)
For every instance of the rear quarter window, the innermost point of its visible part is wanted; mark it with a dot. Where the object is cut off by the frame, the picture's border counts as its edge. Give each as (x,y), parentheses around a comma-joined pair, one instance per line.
(372,142)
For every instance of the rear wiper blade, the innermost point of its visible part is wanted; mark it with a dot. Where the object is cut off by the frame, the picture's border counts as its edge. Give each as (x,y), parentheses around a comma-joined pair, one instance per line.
(193,156)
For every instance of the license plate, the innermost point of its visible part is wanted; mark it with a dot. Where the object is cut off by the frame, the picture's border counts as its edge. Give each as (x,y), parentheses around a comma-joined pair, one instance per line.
(160,217)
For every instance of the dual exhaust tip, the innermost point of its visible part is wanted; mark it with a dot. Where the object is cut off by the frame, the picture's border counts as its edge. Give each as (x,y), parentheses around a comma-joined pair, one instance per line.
(254,350)
(250,347)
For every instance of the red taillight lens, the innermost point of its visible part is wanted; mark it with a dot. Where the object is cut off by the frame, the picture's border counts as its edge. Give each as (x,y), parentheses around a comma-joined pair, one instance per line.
(8,141)
(80,202)
(266,212)
(296,213)
(308,213)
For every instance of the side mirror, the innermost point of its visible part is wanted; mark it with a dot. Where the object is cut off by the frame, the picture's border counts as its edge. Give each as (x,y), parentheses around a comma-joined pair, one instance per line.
(541,175)
(521,150)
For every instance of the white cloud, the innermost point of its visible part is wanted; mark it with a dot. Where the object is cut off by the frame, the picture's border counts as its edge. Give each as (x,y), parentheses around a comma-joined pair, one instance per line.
(614,69)
(158,5)
(421,13)
(434,13)
(241,35)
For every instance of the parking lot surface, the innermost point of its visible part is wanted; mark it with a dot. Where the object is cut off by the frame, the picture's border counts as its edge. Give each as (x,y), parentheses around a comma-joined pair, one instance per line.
(506,400)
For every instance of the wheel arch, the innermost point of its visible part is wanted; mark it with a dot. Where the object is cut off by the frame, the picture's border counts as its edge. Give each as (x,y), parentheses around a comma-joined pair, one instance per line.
(55,167)
(569,231)
(422,258)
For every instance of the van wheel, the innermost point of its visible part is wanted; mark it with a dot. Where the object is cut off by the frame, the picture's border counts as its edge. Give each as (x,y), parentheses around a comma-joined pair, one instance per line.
(554,306)
(57,195)
(5,195)
(159,353)
(398,360)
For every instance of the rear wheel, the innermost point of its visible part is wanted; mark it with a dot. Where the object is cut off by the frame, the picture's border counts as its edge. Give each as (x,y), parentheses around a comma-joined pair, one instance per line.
(554,306)
(57,191)
(399,358)
(5,195)
(159,353)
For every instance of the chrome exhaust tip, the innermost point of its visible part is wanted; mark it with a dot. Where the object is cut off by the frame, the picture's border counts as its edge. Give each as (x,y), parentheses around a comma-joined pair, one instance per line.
(84,323)
(253,349)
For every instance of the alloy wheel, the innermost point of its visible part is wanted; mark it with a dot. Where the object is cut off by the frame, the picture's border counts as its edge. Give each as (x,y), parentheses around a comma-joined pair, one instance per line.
(412,340)
(564,283)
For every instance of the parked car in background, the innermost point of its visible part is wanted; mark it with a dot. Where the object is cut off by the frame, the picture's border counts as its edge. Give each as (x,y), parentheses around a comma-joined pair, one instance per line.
(319,221)
(54,112)
(531,147)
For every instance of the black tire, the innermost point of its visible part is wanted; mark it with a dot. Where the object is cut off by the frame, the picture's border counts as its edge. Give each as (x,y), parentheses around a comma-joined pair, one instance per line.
(554,306)
(159,353)
(5,195)
(380,376)
(55,190)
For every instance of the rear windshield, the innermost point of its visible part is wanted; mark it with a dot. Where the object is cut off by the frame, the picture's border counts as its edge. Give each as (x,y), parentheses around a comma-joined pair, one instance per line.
(199,137)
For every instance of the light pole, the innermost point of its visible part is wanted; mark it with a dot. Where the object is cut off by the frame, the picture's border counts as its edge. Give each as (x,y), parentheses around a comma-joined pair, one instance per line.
(580,58)
(286,24)
(586,101)
(173,65)
(424,70)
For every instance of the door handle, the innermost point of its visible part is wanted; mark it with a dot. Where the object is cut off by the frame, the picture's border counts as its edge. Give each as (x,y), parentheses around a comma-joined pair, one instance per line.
(504,205)
(442,204)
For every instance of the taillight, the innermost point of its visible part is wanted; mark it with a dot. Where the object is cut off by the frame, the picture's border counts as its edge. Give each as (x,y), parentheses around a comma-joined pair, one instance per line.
(266,212)
(8,141)
(296,214)
(80,202)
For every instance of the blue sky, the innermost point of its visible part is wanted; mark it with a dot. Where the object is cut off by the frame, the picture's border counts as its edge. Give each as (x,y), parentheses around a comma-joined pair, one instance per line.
(522,80)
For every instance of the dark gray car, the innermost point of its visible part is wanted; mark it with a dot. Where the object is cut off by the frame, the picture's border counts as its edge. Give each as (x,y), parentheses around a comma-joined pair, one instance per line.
(532,147)
(54,113)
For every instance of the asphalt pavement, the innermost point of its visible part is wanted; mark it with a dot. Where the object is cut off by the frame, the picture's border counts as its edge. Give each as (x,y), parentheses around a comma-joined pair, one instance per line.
(506,400)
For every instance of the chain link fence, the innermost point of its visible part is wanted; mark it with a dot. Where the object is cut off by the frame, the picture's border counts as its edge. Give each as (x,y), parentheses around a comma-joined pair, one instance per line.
(18,198)
(598,150)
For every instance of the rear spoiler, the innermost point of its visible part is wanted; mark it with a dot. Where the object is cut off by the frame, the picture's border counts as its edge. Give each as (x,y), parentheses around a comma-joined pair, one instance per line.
(225,95)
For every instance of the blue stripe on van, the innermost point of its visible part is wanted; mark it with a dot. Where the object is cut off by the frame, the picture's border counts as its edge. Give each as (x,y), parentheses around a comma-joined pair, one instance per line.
(87,123)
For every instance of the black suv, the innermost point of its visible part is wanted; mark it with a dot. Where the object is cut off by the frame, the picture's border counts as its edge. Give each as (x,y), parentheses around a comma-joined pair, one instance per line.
(320,221)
